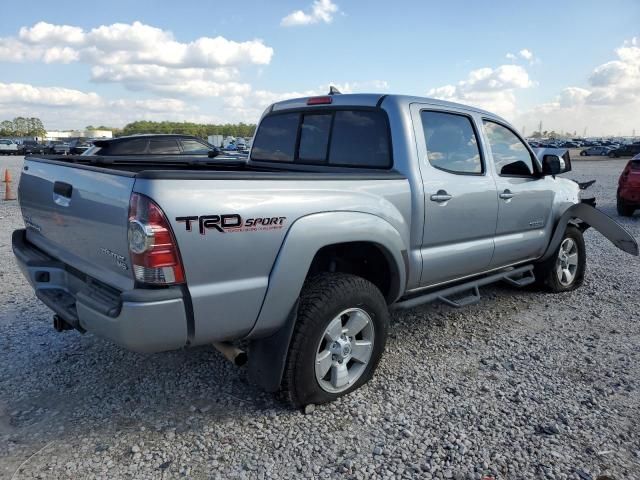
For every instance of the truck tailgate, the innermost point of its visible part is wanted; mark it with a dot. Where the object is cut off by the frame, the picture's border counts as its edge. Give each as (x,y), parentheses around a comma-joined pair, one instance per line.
(79,216)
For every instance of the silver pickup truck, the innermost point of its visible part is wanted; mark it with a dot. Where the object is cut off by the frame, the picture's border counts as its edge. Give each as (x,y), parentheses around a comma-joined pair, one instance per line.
(347,206)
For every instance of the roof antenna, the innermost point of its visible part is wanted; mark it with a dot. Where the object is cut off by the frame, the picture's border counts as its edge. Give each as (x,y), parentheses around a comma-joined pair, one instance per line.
(334,91)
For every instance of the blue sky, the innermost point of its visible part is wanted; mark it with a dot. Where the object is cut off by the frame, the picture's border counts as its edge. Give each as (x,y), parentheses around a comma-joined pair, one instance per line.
(573,64)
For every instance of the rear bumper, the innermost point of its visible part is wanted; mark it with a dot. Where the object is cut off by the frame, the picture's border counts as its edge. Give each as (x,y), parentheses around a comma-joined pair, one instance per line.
(142,320)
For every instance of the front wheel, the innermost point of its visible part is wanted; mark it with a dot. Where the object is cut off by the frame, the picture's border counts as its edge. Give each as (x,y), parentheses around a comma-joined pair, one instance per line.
(624,210)
(564,271)
(339,338)
(583,153)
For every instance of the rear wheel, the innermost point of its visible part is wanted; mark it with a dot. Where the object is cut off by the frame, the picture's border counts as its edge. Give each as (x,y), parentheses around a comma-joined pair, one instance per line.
(612,155)
(624,210)
(339,338)
(583,153)
(564,271)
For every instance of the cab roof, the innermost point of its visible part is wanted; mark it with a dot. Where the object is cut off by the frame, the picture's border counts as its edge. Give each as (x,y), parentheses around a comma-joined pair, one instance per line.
(373,100)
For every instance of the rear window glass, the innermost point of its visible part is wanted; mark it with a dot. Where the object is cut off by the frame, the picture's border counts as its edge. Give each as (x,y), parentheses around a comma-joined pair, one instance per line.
(360,139)
(314,138)
(276,138)
(347,138)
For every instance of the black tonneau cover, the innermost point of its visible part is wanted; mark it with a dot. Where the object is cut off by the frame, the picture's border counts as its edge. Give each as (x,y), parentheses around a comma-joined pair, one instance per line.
(184,167)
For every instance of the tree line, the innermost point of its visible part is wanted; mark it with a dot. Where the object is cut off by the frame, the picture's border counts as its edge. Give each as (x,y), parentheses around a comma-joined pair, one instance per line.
(187,128)
(22,127)
(33,127)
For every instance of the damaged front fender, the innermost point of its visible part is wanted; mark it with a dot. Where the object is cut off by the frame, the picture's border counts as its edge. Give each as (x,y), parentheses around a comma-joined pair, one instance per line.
(596,219)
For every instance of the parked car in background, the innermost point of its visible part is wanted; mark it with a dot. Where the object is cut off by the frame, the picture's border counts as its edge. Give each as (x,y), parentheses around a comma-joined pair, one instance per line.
(153,144)
(78,146)
(628,195)
(570,145)
(57,147)
(625,151)
(29,147)
(8,147)
(595,151)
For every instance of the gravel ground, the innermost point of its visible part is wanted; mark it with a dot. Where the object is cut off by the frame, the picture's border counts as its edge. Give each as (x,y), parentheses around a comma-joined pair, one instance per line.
(521,385)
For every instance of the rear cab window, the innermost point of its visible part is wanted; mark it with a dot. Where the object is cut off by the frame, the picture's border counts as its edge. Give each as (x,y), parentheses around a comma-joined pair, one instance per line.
(333,137)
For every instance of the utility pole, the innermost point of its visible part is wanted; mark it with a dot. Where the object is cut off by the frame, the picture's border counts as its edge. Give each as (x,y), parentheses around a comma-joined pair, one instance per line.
(584,135)
(524,130)
(540,128)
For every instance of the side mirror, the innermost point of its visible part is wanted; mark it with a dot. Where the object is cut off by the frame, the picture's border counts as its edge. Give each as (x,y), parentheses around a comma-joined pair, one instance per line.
(213,152)
(553,164)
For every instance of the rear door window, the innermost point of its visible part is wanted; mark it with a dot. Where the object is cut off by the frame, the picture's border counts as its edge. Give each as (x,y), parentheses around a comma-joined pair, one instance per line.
(347,138)
(451,141)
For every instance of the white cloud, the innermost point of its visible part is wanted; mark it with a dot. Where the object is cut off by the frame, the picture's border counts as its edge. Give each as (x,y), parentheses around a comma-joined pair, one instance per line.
(134,43)
(526,54)
(46,33)
(142,57)
(63,108)
(609,104)
(322,11)
(488,88)
(22,93)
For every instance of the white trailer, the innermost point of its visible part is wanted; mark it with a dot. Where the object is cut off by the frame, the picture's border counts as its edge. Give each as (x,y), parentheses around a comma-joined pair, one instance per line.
(215,140)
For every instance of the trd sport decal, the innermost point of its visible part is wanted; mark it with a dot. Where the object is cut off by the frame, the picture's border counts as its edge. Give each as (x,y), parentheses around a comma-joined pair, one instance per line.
(231,223)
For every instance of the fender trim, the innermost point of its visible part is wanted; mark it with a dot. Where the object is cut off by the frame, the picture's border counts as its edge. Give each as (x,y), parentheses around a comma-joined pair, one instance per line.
(596,219)
(304,239)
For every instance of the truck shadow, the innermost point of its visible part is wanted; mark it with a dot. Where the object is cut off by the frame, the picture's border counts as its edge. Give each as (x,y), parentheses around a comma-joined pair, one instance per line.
(92,384)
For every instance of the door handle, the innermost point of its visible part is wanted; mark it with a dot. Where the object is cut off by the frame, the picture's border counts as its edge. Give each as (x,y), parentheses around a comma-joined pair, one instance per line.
(62,193)
(63,189)
(506,195)
(441,196)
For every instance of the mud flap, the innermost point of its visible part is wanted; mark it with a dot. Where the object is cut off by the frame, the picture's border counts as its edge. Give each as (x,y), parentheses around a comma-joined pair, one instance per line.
(268,356)
(596,219)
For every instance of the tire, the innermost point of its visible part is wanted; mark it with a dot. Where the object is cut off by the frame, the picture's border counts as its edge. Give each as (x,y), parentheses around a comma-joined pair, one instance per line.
(334,299)
(624,210)
(547,273)
(583,153)
(612,155)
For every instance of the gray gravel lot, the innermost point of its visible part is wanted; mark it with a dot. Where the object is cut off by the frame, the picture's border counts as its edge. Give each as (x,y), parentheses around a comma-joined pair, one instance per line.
(521,385)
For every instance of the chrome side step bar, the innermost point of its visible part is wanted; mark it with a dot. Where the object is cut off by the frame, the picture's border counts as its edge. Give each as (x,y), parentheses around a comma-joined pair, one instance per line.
(518,277)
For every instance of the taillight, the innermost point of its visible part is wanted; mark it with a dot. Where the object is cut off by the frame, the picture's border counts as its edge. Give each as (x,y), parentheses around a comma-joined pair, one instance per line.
(152,246)
(320,100)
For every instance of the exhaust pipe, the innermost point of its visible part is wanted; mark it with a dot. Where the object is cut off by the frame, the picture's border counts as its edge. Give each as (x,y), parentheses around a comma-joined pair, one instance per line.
(60,325)
(233,354)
